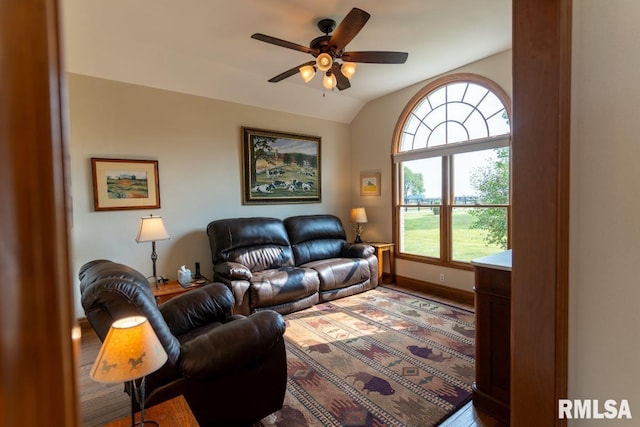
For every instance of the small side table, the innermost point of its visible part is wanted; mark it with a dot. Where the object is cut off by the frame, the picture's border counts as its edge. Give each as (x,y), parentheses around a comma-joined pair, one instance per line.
(172,289)
(172,413)
(381,248)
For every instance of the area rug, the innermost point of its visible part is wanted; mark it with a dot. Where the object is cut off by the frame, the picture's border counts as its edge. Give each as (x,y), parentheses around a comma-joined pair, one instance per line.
(379,358)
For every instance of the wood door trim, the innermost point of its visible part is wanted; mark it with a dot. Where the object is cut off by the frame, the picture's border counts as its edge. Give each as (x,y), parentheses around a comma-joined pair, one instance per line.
(541,140)
(38,370)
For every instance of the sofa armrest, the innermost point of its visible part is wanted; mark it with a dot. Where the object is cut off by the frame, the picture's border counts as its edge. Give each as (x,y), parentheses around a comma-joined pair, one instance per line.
(357,250)
(232,271)
(233,345)
(211,303)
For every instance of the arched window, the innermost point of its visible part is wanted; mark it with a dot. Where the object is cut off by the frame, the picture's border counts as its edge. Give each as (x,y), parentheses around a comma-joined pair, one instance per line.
(452,171)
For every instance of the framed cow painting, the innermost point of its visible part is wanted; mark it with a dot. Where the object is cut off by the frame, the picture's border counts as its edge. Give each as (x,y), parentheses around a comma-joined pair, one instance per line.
(280,167)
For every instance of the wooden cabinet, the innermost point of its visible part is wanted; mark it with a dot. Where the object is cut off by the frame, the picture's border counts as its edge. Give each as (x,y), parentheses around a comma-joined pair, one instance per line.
(493,334)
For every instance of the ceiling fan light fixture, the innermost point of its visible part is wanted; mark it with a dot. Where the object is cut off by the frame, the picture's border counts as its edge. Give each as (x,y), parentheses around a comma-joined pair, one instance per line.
(324,61)
(329,81)
(348,69)
(307,72)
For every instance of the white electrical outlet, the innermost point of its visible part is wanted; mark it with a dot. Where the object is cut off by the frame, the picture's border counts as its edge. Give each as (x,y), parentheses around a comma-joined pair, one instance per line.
(442,277)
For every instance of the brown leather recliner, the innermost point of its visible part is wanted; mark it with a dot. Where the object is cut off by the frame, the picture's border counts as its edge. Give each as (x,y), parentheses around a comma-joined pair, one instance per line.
(231,369)
(288,265)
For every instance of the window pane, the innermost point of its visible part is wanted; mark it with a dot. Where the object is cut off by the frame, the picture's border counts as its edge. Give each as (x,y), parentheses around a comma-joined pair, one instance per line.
(474,94)
(456,91)
(406,142)
(490,105)
(420,231)
(422,181)
(477,126)
(422,109)
(436,117)
(420,222)
(438,136)
(456,132)
(481,177)
(437,97)
(412,124)
(458,112)
(478,232)
(499,124)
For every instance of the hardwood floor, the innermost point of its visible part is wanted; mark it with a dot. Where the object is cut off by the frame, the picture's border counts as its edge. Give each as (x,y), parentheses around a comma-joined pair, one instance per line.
(103,403)
(99,403)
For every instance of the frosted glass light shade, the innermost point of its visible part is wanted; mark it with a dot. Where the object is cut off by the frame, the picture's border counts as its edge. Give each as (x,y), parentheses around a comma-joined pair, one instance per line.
(324,62)
(329,81)
(151,229)
(131,350)
(348,69)
(307,72)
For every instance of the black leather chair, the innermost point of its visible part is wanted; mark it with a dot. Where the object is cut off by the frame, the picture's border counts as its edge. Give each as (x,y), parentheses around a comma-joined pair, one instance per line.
(231,369)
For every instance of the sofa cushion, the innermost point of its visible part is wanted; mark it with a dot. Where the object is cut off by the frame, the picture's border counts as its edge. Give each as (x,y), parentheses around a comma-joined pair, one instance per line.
(262,257)
(281,285)
(258,243)
(315,237)
(339,273)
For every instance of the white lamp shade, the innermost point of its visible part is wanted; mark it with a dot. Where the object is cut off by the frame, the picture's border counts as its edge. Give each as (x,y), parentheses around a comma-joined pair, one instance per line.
(348,69)
(324,62)
(358,215)
(307,72)
(151,229)
(329,81)
(130,351)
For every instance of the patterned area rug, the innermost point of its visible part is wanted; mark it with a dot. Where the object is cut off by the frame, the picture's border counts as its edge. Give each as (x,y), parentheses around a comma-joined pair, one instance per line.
(380,358)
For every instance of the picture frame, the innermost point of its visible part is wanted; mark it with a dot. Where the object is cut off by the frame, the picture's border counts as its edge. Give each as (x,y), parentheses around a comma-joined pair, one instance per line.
(125,184)
(370,183)
(280,168)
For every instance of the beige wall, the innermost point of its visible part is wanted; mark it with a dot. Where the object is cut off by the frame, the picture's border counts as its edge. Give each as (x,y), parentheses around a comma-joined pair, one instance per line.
(371,134)
(197,143)
(604,345)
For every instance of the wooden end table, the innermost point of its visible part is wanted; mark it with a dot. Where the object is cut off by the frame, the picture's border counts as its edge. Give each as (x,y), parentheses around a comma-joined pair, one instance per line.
(171,289)
(172,413)
(381,248)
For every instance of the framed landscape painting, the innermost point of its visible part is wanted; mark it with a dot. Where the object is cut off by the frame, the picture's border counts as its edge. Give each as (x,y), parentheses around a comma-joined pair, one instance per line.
(280,167)
(125,184)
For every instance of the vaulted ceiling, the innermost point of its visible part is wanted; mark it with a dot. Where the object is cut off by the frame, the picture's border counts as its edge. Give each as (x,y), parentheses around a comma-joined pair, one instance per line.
(203,47)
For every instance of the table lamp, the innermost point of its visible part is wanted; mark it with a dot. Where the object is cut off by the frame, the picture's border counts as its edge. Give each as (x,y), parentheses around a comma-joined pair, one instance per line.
(151,230)
(359,216)
(131,350)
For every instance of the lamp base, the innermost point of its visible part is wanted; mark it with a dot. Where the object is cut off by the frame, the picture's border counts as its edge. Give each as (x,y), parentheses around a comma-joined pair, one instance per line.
(358,239)
(133,392)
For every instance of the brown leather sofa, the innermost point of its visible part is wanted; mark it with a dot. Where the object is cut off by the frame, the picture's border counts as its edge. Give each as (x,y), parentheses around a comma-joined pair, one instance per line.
(291,264)
(231,369)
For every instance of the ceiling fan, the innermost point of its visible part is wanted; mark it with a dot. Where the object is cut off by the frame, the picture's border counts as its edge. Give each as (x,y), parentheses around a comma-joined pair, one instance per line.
(328,49)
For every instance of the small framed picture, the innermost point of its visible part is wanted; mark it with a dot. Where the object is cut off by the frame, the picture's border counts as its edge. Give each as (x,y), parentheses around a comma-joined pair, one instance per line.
(125,184)
(370,184)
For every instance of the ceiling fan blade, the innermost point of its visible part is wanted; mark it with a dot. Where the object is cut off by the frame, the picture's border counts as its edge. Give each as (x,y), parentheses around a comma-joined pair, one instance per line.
(283,43)
(348,28)
(376,57)
(289,73)
(342,82)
